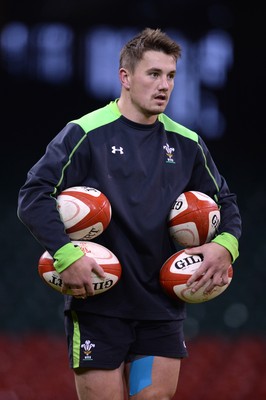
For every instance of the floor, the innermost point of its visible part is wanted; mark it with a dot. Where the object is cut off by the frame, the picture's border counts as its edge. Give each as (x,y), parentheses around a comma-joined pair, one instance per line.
(36,367)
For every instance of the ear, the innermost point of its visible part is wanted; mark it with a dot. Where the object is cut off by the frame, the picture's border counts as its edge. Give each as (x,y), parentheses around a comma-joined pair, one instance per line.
(124,78)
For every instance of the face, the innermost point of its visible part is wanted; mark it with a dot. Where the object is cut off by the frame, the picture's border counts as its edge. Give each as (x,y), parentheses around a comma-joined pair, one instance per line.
(150,86)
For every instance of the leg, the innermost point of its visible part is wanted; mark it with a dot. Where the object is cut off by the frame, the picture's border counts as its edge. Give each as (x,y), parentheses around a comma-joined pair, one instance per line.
(155,378)
(97,346)
(95,384)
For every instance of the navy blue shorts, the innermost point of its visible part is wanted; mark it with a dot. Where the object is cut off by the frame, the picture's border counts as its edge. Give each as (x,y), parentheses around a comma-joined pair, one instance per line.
(97,341)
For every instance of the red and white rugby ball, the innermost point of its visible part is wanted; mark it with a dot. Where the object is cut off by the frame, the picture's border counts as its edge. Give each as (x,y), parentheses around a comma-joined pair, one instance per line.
(193,219)
(103,256)
(175,272)
(86,212)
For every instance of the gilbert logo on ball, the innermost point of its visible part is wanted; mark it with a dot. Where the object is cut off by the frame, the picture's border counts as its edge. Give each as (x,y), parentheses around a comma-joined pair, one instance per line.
(86,212)
(193,219)
(175,272)
(102,256)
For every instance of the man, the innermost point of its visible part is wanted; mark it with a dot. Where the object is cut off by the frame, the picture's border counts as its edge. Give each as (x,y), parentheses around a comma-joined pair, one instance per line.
(135,331)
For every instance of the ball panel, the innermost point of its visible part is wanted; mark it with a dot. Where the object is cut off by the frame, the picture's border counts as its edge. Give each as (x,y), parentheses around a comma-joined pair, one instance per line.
(193,219)
(101,254)
(185,294)
(186,234)
(48,273)
(88,233)
(100,285)
(86,212)
(81,209)
(175,272)
(52,278)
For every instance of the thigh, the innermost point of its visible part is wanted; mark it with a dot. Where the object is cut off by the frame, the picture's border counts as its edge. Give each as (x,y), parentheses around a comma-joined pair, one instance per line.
(98,346)
(96,384)
(153,366)
(152,377)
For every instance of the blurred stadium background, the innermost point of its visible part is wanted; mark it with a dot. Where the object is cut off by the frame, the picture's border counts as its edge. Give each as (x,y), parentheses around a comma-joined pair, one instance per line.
(56,64)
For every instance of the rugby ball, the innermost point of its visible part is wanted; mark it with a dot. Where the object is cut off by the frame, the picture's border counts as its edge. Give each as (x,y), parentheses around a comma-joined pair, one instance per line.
(193,219)
(175,272)
(86,212)
(103,256)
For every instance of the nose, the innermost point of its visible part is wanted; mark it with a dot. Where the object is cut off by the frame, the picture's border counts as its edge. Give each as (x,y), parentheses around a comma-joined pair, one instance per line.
(164,83)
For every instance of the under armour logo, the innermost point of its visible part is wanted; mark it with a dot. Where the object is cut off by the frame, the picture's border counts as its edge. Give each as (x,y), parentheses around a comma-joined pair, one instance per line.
(119,149)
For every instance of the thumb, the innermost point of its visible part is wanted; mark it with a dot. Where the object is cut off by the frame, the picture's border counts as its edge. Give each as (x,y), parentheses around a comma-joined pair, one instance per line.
(98,269)
(193,250)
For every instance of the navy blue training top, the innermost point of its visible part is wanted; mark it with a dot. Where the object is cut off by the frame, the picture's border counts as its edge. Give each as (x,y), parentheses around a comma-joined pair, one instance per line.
(141,169)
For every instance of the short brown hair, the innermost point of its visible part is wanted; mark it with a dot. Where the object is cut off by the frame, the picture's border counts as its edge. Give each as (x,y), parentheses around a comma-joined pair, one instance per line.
(148,39)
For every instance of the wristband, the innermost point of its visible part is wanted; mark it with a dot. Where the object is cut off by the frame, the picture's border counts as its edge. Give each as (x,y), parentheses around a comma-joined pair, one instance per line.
(66,255)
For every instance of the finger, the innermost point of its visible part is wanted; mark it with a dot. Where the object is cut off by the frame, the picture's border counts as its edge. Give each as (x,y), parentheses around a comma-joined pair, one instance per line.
(66,289)
(89,290)
(76,292)
(198,276)
(220,281)
(214,285)
(201,283)
(193,250)
(225,279)
(80,297)
(98,270)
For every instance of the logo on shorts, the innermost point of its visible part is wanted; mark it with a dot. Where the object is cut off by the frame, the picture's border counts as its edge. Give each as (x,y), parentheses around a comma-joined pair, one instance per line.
(87,350)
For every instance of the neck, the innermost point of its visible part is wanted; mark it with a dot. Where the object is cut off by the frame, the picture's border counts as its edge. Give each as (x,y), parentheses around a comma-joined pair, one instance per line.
(128,110)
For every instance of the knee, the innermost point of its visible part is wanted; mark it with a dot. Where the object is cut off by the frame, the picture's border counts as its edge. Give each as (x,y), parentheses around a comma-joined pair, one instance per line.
(154,393)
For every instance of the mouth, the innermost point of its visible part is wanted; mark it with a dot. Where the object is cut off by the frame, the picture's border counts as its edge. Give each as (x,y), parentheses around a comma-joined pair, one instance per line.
(161,98)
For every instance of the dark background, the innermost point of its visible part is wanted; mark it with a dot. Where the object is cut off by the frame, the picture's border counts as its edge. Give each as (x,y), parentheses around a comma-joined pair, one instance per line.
(33,112)
(226,336)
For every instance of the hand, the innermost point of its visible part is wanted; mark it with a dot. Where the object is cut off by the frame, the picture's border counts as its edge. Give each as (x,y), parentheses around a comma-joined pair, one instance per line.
(214,267)
(77,277)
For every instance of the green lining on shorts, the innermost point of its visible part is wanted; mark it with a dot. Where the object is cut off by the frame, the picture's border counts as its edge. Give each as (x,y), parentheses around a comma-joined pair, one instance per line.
(76,340)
